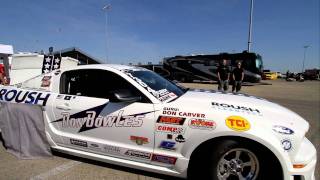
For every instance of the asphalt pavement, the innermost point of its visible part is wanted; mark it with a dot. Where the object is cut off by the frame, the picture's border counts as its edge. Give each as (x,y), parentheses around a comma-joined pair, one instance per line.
(301,97)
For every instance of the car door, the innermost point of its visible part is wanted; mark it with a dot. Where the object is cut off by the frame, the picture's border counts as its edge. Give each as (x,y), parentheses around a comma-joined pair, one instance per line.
(89,120)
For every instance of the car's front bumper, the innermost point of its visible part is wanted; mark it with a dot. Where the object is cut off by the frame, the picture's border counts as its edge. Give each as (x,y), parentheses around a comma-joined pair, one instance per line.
(306,158)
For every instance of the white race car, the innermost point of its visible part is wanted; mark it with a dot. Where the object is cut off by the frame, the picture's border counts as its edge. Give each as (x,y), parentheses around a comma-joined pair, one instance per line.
(133,117)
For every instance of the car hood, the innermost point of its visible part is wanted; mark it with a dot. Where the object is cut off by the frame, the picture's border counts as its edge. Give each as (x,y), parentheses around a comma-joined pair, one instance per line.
(276,114)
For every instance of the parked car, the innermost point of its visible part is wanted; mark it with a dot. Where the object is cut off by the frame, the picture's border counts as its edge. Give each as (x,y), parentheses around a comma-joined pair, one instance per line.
(131,116)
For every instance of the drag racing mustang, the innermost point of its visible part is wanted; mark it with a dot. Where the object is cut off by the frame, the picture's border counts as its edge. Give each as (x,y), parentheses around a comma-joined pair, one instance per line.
(133,117)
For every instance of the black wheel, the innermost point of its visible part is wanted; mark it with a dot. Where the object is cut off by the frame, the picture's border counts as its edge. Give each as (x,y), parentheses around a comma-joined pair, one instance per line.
(235,160)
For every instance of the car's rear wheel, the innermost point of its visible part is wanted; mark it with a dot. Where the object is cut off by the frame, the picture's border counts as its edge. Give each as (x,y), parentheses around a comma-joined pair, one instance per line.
(234,160)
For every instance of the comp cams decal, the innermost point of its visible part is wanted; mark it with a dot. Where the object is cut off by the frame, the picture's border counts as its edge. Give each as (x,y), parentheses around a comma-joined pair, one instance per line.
(176,112)
(235,108)
(91,119)
(237,123)
(171,120)
(202,124)
(169,129)
(22,96)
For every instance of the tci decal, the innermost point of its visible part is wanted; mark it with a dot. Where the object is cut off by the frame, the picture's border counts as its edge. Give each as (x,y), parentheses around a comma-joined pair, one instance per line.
(91,120)
(170,129)
(202,124)
(139,140)
(230,107)
(169,145)
(138,154)
(20,96)
(79,142)
(164,159)
(237,123)
(171,120)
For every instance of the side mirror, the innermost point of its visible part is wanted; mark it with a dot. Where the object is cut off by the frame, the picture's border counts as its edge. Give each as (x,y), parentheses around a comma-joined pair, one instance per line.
(123,95)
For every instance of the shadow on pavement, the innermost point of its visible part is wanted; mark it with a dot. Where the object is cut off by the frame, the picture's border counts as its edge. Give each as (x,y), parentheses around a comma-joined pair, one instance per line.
(115,167)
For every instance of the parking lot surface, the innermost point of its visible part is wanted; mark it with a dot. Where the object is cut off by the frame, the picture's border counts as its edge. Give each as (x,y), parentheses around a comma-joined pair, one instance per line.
(301,97)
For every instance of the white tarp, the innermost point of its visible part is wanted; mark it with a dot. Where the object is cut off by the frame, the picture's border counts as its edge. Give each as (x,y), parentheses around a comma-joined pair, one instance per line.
(23,130)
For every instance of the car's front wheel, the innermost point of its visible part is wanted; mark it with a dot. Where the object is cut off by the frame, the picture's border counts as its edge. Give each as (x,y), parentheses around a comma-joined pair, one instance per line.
(234,160)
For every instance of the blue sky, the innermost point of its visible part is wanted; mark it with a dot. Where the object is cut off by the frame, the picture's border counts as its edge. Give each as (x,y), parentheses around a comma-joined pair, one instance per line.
(148,30)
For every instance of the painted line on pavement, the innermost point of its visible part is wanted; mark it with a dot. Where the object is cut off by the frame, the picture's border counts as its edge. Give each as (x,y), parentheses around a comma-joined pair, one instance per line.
(57,170)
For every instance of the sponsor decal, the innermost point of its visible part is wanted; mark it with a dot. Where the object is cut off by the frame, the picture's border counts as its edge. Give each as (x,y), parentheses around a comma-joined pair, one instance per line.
(202,124)
(21,96)
(176,112)
(169,129)
(171,120)
(79,142)
(180,139)
(282,130)
(169,136)
(162,94)
(93,146)
(45,82)
(139,140)
(237,123)
(286,144)
(235,108)
(224,92)
(60,96)
(57,72)
(164,159)
(168,145)
(138,154)
(88,120)
(111,149)
(68,98)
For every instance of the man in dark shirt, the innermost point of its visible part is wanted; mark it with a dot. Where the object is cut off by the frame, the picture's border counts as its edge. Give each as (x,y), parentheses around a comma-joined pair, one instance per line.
(238,76)
(223,76)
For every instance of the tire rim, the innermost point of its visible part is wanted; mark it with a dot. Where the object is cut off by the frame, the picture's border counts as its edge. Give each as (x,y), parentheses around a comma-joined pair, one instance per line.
(238,164)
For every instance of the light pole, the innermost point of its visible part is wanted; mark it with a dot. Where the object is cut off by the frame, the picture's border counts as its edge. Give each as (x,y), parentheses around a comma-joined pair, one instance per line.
(304,56)
(250,26)
(106,8)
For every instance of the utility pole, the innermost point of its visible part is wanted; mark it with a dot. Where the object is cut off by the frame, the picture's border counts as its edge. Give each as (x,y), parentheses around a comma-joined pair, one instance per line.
(304,56)
(106,8)
(250,26)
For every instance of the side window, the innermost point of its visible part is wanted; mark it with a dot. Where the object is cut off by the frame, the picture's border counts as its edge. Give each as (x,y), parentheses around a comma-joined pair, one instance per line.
(95,83)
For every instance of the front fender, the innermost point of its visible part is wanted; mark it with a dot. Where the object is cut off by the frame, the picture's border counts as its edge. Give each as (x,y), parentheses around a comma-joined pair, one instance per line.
(261,136)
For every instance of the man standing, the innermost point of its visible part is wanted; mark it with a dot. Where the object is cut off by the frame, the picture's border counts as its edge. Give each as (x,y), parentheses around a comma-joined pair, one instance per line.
(238,76)
(223,76)
(2,75)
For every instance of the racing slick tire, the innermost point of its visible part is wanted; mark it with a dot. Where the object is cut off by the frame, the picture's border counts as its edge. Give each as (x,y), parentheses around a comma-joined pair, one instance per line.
(233,160)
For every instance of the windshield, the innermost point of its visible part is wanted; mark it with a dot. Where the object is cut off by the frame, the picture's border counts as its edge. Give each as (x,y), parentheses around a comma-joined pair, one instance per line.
(156,85)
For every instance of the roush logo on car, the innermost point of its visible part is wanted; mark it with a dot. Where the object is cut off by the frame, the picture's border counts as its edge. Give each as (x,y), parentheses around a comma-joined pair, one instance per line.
(202,124)
(237,123)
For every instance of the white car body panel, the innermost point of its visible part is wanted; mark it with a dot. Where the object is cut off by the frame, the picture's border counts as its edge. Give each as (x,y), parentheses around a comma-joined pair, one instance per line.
(139,135)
